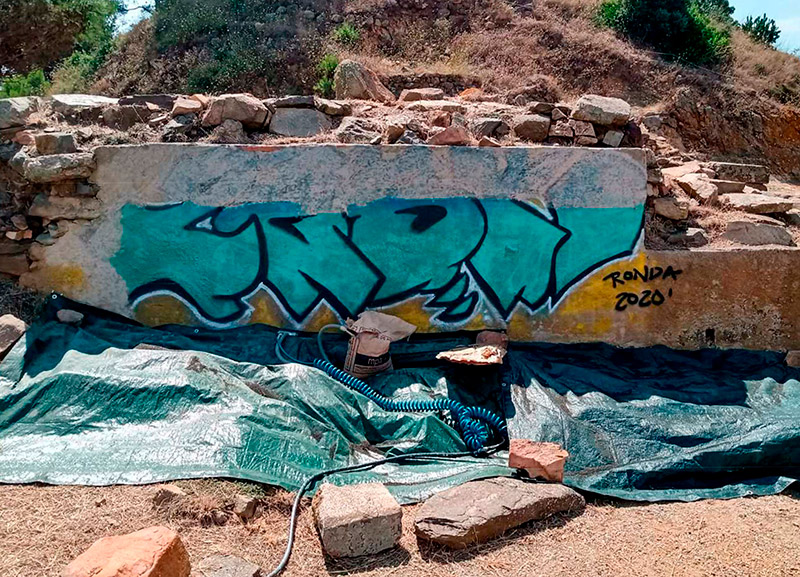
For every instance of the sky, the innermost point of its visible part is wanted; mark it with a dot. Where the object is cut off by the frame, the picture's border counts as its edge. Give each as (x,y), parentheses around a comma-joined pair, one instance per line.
(786,14)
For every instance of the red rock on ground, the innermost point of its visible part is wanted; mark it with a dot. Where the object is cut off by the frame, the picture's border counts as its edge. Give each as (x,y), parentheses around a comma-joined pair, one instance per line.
(544,460)
(152,552)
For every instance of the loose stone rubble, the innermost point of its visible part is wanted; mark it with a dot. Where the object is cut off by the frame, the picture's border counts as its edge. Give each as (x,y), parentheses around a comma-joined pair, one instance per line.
(46,158)
(478,511)
(356,519)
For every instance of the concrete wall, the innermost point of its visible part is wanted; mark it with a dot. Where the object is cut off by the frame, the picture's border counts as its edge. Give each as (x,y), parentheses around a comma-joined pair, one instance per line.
(542,241)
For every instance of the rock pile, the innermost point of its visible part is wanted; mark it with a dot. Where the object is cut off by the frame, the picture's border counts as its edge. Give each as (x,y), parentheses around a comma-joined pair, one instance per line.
(753,216)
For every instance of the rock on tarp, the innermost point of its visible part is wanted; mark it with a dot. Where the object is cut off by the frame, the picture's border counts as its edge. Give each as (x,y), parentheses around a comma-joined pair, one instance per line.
(111,401)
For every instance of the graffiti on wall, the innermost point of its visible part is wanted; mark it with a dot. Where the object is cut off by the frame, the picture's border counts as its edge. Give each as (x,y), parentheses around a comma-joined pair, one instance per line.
(461,255)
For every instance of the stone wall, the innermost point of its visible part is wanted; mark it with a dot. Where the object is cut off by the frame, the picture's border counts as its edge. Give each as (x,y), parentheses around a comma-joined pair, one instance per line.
(544,242)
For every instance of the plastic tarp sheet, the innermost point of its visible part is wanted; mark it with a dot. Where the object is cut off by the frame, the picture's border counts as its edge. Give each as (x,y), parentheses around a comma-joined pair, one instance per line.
(111,402)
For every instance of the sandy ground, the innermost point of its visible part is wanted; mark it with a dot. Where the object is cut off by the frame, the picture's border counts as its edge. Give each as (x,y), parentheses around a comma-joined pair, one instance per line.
(42,528)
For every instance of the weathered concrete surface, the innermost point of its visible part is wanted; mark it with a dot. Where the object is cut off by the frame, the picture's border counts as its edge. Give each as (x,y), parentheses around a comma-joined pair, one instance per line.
(527,239)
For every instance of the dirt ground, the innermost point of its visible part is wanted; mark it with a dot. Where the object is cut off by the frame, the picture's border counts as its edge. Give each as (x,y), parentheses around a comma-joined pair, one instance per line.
(42,528)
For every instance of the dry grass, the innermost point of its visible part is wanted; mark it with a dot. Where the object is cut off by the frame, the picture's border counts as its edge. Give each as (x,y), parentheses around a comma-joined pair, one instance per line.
(42,528)
(767,71)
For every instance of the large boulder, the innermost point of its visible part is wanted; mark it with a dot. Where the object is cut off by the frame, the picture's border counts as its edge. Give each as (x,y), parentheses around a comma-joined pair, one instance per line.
(354,80)
(757,203)
(357,519)
(532,127)
(56,167)
(81,105)
(152,552)
(602,110)
(299,122)
(245,108)
(757,233)
(481,510)
(749,173)
(16,111)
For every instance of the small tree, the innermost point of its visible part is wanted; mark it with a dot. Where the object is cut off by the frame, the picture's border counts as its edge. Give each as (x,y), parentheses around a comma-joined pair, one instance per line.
(762,29)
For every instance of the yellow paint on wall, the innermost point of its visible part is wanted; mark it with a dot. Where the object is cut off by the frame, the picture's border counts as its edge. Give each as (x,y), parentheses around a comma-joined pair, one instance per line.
(67,279)
(163,310)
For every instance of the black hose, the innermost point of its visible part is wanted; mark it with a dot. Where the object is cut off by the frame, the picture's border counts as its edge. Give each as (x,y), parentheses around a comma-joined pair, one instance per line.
(304,488)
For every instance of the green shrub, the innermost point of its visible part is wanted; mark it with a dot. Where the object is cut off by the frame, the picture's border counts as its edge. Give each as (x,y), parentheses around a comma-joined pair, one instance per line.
(762,29)
(347,35)
(325,70)
(32,84)
(679,30)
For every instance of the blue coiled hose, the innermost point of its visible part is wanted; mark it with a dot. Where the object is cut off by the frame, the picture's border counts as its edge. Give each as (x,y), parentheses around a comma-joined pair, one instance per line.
(473,422)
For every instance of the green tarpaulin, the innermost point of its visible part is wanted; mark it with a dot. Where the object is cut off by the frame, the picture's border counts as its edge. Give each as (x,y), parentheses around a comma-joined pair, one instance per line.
(115,402)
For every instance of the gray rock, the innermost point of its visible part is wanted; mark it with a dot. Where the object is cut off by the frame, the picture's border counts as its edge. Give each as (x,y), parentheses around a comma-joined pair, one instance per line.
(124,117)
(229,132)
(294,101)
(412,94)
(699,186)
(79,104)
(728,186)
(671,208)
(793,217)
(178,126)
(226,566)
(482,510)
(613,138)
(162,101)
(357,520)
(56,167)
(8,150)
(357,130)
(69,317)
(655,175)
(757,233)
(485,126)
(561,129)
(409,137)
(333,107)
(55,143)
(541,108)
(245,108)
(11,330)
(299,122)
(749,173)
(602,110)
(691,237)
(246,507)
(354,80)
(65,207)
(557,114)
(167,494)
(16,111)
(532,127)
(757,203)
(436,105)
